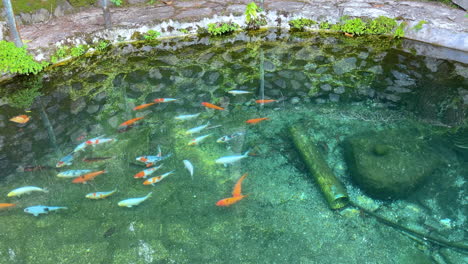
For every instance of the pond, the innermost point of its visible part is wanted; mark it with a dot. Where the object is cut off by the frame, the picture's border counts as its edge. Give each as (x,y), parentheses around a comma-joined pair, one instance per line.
(389,124)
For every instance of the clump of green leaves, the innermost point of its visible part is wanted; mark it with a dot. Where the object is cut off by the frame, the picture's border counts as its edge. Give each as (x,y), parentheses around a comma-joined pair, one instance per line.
(221,28)
(184,30)
(18,60)
(252,18)
(418,26)
(381,25)
(117,2)
(78,50)
(354,26)
(301,23)
(400,30)
(151,35)
(102,45)
(60,54)
(324,25)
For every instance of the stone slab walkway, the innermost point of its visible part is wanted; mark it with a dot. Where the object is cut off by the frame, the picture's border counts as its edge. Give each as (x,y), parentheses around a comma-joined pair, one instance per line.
(445,26)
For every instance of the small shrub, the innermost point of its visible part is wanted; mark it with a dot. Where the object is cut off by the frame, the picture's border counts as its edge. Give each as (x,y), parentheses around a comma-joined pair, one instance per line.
(418,26)
(102,45)
(221,28)
(354,26)
(381,25)
(18,60)
(400,30)
(252,18)
(78,50)
(184,30)
(324,25)
(151,35)
(301,23)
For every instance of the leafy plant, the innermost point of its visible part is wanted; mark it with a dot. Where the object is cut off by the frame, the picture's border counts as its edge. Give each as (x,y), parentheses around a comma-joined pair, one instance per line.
(18,60)
(354,26)
(400,30)
(221,28)
(324,25)
(336,27)
(78,50)
(151,35)
(381,25)
(60,54)
(252,18)
(117,2)
(102,45)
(301,23)
(184,30)
(418,26)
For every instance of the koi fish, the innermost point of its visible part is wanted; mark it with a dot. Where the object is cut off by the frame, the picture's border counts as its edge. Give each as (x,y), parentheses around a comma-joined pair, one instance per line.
(227,138)
(231,159)
(21,119)
(236,92)
(186,117)
(65,161)
(96,141)
(24,190)
(256,120)
(151,160)
(88,177)
(147,172)
(236,194)
(95,159)
(100,195)
(6,205)
(83,145)
(197,129)
(265,101)
(42,209)
(143,106)
(72,173)
(212,106)
(157,179)
(198,140)
(164,100)
(36,168)
(134,201)
(131,121)
(189,167)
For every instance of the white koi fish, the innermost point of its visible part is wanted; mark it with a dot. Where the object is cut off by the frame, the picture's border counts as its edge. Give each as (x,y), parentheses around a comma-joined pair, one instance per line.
(26,189)
(227,138)
(72,173)
(147,172)
(231,159)
(236,92)
(42,209)
(151,160)
(65,161)
(188,165)
(100,195)
(197,129)
(198,140)
(134,201)
(186,117)
(157,179)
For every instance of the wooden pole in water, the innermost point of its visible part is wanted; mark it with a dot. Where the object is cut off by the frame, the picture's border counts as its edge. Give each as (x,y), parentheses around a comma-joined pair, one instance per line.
(333,190)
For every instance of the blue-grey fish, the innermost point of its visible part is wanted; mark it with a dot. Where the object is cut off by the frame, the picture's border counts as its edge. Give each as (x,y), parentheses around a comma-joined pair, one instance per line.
(231,159)
(42,209)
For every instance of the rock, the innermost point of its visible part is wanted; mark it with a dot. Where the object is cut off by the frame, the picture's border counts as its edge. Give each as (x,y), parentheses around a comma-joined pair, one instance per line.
(389,164)
(461,3)
(77,106)
(192,71)
(269,66)
(63,8)
(211,77)
(345,65)
(326,87)
(40,16)
(2,29)
(92,109)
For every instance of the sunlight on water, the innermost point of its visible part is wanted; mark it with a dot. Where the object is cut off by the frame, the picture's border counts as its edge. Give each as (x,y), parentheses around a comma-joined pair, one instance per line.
(390,125)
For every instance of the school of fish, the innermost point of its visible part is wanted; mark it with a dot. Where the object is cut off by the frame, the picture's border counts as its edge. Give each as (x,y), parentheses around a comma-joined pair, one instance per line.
(84,176)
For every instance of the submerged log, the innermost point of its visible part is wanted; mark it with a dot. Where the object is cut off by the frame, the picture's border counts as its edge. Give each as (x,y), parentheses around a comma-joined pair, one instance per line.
(333,190)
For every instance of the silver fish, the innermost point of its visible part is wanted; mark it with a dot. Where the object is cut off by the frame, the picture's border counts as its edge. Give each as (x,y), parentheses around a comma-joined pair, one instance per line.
(72,173)
(189,167)
(225,139)
(42,209)
(231,159)
(186,117)
(197,129)
(236,92)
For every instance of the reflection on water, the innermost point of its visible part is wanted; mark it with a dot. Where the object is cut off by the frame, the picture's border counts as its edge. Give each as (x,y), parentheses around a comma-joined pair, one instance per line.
(371,110)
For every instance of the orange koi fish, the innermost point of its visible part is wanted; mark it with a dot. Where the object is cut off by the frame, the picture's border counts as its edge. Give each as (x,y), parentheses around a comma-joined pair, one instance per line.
(87,177)
(256,120)
(236,194)
(6,205)
(131,121)
(143,106)
(21,119)
(206,104)
(265,101)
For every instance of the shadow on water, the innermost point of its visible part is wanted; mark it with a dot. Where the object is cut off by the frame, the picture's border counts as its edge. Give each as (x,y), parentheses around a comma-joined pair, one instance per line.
(391,125)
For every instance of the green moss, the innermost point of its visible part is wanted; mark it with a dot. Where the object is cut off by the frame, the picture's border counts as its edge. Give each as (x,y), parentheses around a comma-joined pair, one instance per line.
(418,26)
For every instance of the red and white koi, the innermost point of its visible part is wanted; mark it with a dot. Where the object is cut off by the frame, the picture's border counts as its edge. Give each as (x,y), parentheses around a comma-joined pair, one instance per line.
(99,140)
(164,100)
(100,195)
(151,160)
(157,179)
(198,140)
(147,172)
(65,161)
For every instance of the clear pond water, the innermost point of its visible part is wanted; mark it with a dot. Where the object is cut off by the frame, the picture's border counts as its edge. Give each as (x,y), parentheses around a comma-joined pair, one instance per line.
(335,87)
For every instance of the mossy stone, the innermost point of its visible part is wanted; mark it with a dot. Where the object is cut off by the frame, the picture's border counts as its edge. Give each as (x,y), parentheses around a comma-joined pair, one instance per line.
(389,164)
